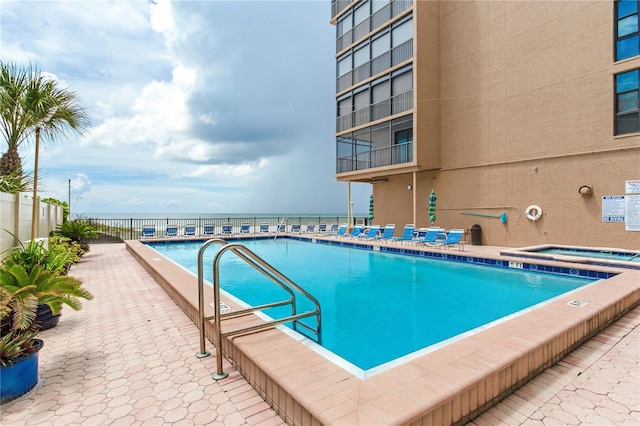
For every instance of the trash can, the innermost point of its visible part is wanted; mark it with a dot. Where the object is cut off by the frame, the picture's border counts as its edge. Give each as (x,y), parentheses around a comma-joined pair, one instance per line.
(476,235)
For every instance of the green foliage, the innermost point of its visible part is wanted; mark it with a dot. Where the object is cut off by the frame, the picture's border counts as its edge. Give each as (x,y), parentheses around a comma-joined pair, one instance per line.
(31,103)
(56,202)
(15,182)
(34,253)
(66,245)
(15,344)
(76,231)
(51,288)
(18,307)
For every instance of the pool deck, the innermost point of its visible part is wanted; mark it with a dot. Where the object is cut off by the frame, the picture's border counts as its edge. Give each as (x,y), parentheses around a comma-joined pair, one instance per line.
(128,357)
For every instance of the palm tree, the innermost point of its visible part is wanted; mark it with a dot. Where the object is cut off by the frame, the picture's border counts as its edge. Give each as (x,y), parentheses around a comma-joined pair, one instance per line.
(33,103)
(51,111)
(13,83)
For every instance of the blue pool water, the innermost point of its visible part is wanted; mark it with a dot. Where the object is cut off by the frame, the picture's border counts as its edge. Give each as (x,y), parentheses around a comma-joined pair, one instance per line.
(377,307)
(626,256)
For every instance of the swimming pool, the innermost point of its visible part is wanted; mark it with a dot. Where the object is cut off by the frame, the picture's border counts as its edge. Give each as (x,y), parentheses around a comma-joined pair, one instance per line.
(377,307)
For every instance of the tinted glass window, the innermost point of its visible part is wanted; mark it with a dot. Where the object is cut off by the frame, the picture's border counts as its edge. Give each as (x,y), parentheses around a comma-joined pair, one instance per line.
(627,7)
(402,33)
(380,45)
(627,35)
(628,101)
(628,25)
(361,14)
(344,66)
(361,57)
(627,94)
(627,81)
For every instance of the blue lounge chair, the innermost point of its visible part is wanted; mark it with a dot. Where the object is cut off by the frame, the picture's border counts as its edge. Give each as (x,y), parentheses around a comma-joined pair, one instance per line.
(245,228)
(341,231)
(371,233)
(148,231)
(454,237)
(171,231)
(420,233)
(208,229)
(264,228)
(387,234)
(356,231)
(295,228)
(227,228)
(433,235)
(407,233)
(189,230)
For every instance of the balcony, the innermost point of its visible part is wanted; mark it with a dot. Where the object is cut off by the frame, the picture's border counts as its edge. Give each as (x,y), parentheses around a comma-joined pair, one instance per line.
(377,20)
(375,66)
(396,105)
(388,156)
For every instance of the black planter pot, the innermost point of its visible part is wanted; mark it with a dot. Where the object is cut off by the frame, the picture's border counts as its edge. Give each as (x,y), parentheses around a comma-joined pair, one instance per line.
(45,319)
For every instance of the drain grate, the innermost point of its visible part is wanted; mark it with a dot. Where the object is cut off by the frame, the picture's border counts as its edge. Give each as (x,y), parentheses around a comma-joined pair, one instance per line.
(224,308)
(578,303)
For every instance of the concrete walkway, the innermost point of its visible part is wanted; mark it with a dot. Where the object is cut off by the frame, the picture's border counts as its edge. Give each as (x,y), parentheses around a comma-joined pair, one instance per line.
(128,357)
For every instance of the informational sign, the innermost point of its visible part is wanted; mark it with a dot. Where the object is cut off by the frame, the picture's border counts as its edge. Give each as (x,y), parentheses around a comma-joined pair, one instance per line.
(632,186)
(613,208)
(632,212)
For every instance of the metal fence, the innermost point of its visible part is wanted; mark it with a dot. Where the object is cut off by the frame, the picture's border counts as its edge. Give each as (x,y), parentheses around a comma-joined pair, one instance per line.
(118,230)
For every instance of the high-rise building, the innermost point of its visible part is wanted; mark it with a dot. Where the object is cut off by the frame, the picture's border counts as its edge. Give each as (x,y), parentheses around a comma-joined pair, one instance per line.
(518,110)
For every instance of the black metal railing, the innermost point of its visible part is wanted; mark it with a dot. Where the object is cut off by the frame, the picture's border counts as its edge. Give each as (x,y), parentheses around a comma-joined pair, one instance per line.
(118,230)
(397,104)
(396,154)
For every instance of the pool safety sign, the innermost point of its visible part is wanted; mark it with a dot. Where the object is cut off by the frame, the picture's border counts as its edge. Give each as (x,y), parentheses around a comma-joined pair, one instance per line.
(632,186)
(624,208)
(632,212)
(613,208)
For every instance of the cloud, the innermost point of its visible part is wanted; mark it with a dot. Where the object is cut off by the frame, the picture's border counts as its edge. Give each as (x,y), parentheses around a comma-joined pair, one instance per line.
(223,106)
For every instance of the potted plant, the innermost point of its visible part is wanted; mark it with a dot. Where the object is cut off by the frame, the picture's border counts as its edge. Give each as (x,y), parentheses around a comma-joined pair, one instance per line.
(19,346)
(58,288)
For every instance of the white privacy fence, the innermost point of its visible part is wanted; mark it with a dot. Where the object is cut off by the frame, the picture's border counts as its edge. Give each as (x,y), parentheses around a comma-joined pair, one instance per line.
(15,218)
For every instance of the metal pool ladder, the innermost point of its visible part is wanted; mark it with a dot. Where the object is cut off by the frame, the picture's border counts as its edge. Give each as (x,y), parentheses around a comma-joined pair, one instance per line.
(267,270)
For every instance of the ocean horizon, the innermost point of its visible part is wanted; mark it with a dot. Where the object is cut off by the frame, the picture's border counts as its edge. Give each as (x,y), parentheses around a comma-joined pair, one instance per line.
(183,216)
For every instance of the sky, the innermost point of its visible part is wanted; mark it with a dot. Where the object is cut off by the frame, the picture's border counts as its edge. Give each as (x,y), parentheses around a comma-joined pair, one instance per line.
(195,106)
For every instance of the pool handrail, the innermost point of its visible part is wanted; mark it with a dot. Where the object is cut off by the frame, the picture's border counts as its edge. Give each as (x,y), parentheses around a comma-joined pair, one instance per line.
(267,270)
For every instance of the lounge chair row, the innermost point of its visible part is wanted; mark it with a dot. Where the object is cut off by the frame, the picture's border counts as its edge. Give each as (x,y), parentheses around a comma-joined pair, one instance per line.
(149,231)
(433,236)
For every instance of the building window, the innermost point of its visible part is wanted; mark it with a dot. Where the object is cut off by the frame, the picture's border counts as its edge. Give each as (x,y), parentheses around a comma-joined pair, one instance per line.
(627,35)
(627,112)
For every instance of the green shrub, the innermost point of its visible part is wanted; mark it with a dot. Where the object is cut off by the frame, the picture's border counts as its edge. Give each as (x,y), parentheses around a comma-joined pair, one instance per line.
(77,231)
(62,245)
(34,253)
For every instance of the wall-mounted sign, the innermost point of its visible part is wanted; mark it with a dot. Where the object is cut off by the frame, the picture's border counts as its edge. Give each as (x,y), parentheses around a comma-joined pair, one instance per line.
(632,186)
(613,208)
(632,213)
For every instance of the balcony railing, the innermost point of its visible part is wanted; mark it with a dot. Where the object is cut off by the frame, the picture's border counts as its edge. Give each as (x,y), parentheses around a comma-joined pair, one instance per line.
(396,154)
(378,19)
(377,65)
(396,105)
(338,6)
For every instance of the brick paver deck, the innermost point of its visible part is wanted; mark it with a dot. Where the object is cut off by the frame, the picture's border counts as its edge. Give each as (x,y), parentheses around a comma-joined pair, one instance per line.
(128,357)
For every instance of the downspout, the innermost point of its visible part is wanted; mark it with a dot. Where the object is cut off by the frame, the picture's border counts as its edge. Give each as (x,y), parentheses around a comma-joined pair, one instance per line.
(415,198)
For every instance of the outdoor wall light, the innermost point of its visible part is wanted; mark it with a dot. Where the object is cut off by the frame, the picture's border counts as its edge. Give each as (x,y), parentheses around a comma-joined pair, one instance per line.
(585,190)
(409,187)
